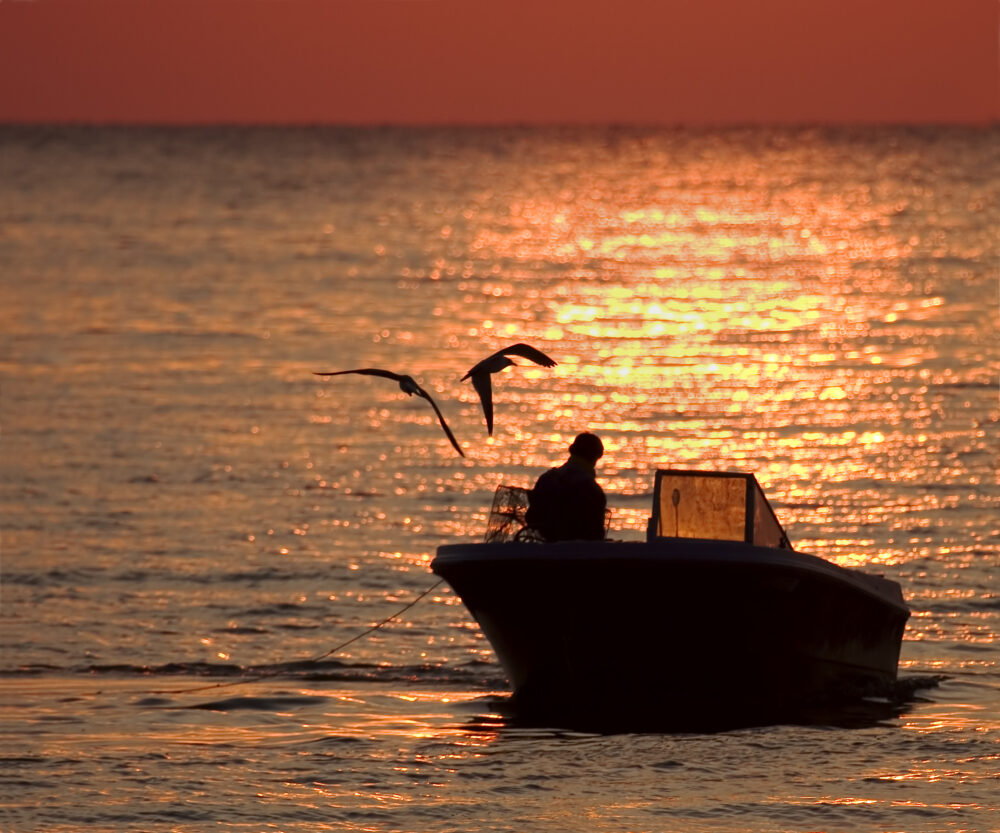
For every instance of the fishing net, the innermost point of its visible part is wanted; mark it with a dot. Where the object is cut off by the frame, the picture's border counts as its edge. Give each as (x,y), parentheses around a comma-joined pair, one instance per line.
(506,521)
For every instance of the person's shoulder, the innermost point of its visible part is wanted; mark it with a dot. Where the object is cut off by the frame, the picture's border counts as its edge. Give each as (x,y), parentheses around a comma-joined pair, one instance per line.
(576,474)
(548,475)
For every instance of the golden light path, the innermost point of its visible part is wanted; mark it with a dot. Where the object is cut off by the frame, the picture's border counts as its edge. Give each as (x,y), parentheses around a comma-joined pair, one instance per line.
(754,330)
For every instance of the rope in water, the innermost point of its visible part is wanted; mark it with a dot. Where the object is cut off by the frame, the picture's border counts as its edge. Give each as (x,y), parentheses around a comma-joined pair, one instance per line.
(245,679)
(385,621)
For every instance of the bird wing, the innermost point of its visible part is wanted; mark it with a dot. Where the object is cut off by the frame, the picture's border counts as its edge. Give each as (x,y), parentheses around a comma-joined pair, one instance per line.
(366,371)
(440,416)
(526,351)
(484,387)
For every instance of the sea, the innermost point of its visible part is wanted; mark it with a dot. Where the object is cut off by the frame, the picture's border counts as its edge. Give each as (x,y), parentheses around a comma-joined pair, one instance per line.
(216,605)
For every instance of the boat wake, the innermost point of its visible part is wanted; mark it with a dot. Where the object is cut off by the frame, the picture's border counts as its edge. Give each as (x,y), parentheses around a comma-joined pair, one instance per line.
(474,674)
(732,710)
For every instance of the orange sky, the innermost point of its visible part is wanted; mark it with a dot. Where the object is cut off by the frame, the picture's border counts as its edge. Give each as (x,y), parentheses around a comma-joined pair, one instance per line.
(475,61)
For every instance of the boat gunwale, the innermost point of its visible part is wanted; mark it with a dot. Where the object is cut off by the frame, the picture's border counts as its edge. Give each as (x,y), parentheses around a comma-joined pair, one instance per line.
(673,551)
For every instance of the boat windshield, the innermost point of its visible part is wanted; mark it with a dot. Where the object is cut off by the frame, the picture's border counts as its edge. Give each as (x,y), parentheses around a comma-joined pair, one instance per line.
(721,506)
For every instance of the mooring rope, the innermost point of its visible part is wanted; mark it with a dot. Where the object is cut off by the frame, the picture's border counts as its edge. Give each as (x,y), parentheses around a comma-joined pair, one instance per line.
(385,621)
(245,679)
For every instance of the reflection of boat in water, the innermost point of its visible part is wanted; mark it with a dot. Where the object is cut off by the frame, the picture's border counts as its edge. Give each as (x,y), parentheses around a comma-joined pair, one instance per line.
(713,613)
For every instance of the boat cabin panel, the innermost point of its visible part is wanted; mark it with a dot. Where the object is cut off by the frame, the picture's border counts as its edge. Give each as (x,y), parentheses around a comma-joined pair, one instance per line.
(719,506)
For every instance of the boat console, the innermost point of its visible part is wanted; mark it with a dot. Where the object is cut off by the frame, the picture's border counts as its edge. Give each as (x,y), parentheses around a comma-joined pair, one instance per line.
(711,505)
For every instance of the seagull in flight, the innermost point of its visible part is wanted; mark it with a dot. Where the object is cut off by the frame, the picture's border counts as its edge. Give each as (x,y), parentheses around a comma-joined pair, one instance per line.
(494,364)
(407,385)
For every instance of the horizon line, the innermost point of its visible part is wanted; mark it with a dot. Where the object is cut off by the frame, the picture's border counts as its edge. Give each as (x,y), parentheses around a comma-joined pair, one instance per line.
(793,124)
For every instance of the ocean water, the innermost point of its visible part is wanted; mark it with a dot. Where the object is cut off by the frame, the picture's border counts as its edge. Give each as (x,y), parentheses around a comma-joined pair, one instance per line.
(193,524)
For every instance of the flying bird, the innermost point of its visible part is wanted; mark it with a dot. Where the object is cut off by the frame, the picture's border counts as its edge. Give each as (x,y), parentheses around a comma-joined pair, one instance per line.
(494,364)
(407,385)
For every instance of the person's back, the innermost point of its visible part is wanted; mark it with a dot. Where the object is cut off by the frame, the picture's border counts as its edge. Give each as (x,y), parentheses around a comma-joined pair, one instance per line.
(567,503)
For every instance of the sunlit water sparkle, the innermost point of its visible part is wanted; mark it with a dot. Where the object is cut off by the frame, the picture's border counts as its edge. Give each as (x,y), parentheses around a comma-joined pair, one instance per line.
(189,515)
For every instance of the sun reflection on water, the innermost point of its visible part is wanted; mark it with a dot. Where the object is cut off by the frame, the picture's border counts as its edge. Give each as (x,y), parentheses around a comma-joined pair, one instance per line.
(186,501)
(777,331)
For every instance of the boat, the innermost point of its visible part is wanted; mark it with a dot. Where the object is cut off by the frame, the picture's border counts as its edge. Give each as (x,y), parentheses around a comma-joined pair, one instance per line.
(714,617)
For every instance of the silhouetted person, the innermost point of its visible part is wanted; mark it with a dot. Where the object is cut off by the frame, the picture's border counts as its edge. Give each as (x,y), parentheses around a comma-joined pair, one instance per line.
(567,504)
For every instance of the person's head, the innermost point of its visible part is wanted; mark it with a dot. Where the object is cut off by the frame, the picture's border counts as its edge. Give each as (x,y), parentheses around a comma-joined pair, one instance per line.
(588,446)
